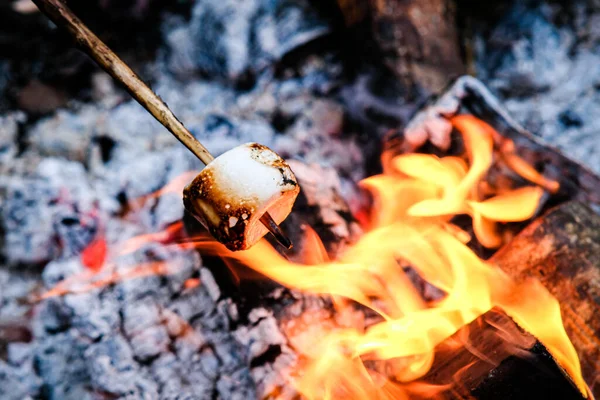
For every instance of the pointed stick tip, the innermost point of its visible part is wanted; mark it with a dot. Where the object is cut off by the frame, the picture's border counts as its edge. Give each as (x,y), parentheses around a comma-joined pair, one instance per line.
(276,231)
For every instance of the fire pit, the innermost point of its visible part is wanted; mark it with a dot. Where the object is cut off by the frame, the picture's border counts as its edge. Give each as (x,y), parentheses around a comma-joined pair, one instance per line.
(452,256)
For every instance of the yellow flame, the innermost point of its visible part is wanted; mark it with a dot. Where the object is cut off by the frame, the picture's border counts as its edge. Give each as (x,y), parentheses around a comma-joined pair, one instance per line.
(415,200)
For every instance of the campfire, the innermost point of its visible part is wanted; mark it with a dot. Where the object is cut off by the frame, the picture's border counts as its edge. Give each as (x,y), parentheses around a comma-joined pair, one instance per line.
(411,226)
(388,329)
(440,250)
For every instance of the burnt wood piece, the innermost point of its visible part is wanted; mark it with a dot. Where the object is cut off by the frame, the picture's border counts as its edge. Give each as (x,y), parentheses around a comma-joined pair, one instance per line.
(562,250)
(492,358)
(418,39)
(468,95)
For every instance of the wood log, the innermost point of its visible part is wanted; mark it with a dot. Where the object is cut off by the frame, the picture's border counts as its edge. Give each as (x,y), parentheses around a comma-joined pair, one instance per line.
(468,95)
(418,39)
(562,250)
(492,358)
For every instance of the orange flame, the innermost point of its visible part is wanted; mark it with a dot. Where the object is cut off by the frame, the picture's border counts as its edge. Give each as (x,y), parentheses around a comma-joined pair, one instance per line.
(415,200)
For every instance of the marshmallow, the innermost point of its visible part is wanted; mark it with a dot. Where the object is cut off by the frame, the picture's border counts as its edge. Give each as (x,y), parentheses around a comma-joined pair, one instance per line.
(236,189)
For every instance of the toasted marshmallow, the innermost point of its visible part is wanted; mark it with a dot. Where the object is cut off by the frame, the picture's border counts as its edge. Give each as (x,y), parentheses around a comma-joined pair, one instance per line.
(236,189)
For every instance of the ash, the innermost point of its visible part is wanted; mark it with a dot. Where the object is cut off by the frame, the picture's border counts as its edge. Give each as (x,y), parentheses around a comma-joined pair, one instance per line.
(74,159)
(542,59)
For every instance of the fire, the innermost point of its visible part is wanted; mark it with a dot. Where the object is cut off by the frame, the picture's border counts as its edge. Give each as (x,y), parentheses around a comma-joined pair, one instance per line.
(415,200)
(411,224)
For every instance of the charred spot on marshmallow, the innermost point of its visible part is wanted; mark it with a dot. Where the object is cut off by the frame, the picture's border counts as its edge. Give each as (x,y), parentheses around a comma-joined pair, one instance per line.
(215,213)
(240,186)
(259,151)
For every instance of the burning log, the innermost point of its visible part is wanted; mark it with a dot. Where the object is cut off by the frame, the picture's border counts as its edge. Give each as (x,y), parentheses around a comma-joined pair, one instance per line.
(411,208)
(469,96)
(492,358)
(562,250)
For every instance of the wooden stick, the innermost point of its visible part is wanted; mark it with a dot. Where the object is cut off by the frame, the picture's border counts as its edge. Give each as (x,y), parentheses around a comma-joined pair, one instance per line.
(89,43)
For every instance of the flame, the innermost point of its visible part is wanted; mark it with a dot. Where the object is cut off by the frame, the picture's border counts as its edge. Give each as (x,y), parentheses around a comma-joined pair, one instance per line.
(414,202)
(102,269)
(175,186)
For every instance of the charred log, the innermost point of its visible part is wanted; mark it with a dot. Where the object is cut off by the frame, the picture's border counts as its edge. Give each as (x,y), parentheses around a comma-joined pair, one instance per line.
(492,358)
(562,250)
(430,127)
(417,40)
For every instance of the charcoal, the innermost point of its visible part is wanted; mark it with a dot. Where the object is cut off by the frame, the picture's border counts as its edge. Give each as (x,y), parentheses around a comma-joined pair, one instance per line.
(9,130)
(136,177)
(60,363)
(540,58)
(15,286)
(150,343)
(27,217)
(211,286)
(500,361)
(209,363)
(69,177)
(379,102)
(131,131)
(75,231)
(16,383)
(64,134)
(318,126)
(104,90)
(262,335)
(113,370)
(261,338)
(58,270)
(34,50)
(168,210)
(232,41)
(41,220)
(77,134)
(109,339)
(321,191)
(55,317)
(221,133)
(236,386)
(5,75)
(140,316)
(91,315)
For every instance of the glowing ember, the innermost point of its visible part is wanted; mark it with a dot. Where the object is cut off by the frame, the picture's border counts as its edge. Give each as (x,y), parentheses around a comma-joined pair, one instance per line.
(415,200)
(94,255)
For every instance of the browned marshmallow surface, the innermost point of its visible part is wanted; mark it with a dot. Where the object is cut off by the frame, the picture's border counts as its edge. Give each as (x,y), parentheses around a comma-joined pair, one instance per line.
(232,192)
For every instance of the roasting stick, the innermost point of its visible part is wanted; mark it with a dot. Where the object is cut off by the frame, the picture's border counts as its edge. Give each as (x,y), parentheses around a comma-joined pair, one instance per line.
(87,41)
